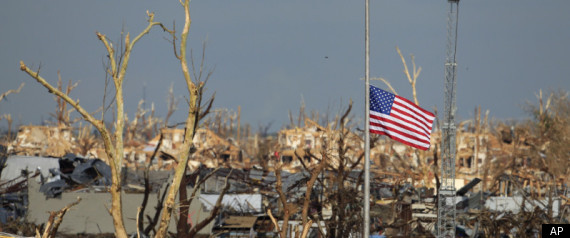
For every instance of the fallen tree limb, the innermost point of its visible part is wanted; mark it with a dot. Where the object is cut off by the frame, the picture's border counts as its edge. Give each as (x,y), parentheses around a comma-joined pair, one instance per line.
(55,219)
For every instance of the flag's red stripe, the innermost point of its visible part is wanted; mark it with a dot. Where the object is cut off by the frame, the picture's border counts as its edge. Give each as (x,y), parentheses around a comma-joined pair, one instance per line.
(415,106)
(396,114)
(402,126)
(399,140)
(418,116)
(399,125)
(407,123)
(411,137)
(418,119)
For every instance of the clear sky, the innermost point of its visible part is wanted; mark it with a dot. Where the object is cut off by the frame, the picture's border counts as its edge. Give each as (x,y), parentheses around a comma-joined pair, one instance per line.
(269,55)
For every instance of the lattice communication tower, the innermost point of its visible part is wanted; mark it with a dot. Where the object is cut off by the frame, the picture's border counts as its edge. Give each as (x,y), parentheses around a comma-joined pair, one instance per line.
(446,193)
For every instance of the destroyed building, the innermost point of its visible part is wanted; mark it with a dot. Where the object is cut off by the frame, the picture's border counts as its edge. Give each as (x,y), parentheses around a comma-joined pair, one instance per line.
(211,150)
(312,140)
(54,141)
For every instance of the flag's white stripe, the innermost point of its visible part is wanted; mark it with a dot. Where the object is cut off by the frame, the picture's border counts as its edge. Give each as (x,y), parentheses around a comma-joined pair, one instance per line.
(409,140)
(415,122)
(416,117)
(403,133)
(425,133)
(412,121)
(395,127)
(415,108)
(412,110)
(418,134)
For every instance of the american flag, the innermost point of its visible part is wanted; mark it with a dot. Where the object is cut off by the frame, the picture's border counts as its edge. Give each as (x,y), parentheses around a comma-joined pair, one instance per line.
(399,119)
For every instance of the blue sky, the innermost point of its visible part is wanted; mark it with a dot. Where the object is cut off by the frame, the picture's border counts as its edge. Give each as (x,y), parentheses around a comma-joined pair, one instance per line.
(270,55)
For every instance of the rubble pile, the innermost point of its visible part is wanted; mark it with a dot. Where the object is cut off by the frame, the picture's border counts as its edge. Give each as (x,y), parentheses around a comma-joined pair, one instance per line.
(13,192)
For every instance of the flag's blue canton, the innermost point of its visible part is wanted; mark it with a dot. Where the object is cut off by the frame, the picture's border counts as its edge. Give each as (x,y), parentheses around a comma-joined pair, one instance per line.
(380,100)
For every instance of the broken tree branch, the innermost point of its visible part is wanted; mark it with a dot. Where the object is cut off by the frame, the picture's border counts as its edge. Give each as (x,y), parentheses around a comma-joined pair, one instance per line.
(5,94)
(55,219)
(416,73)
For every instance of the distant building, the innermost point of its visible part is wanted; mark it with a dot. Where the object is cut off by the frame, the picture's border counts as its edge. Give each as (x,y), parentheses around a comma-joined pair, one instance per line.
(52,141)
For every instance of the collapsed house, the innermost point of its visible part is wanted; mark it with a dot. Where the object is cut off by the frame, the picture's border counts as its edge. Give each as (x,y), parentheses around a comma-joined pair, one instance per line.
(305,144)
(54,141)
(211,150)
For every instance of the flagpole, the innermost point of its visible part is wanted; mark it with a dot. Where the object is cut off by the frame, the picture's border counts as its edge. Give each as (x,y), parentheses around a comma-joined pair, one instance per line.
(366,198)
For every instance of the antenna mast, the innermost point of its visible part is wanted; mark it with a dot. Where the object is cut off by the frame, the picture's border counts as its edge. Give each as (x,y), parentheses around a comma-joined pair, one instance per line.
(446,194)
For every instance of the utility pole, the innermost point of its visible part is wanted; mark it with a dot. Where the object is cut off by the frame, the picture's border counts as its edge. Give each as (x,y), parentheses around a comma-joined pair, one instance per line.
(446,191)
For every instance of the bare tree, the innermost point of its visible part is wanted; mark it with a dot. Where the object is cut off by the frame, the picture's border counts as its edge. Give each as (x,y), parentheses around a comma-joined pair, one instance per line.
(411,78)
(85,139)
(549,131)
(142,127)
(172,104)
(113,142)
(195,91)
(183,229)
(8,117)
(314,171)
(288,209)
(8,135)
(339,156)
(114,145)
(62,115)
(346,208)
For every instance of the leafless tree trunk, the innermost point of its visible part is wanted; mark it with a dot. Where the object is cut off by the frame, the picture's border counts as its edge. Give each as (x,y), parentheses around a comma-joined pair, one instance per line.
(113,142)
(339,156)
(288,208)
(346,209)
(195,91)
(183,227)
(315,172)
(215,210)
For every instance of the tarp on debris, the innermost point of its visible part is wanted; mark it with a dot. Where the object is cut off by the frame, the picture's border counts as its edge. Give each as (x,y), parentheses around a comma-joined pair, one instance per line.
(72,171)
